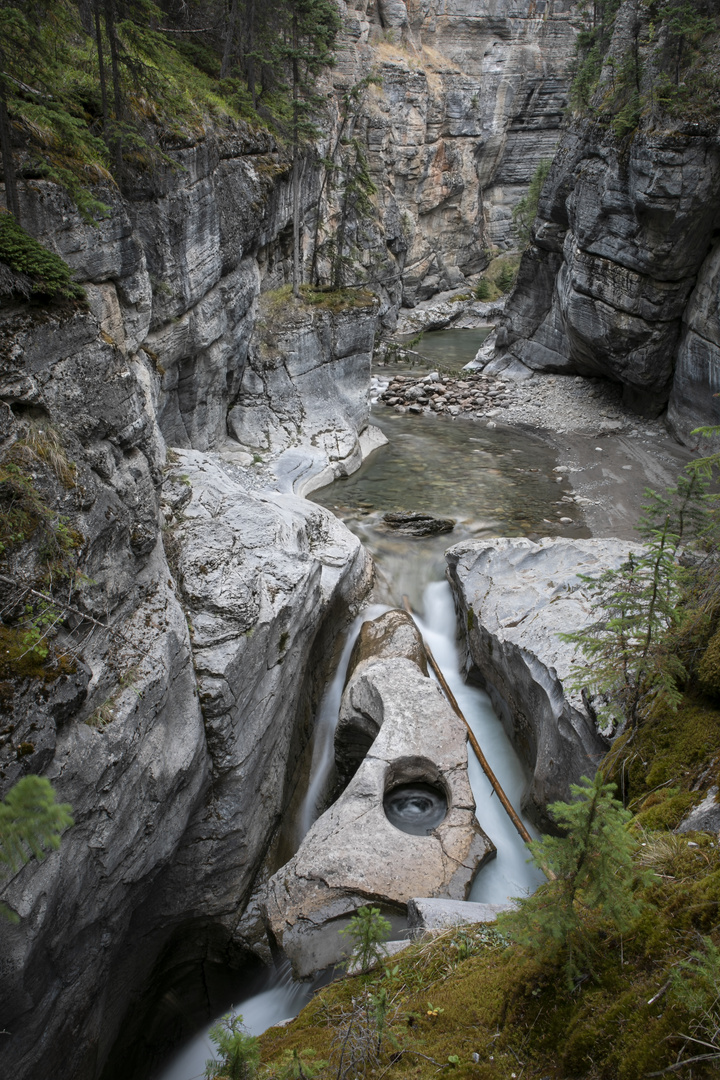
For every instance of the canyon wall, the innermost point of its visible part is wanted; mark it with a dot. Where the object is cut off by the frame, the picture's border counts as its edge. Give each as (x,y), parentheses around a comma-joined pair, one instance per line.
(620,279)
(470,99)
(195,603)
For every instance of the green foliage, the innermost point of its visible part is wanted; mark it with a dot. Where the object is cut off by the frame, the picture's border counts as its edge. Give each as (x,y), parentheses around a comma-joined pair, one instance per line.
(31,823)
(637,607)
(368,931)
(506,278)
(696,986)
(49,276)
(298,1065)
(594,880)
(666,70)
(525,211)
(238,1052)
(483,290)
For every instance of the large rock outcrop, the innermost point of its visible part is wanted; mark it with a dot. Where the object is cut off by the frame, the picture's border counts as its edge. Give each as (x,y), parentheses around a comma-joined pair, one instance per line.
(515,597)
(304,396)
(620,238)
(620,279)
(470,99)
(696,382)
(187,694)
(353,855)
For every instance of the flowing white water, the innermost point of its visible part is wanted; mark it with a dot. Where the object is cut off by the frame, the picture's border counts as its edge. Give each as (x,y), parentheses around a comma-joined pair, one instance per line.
(414,566)
(323,753)
(283,998)
(509,874)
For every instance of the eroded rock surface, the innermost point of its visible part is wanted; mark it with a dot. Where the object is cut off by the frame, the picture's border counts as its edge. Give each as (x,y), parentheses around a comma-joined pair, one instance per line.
(392,635)
(514,597)
(352,855)
(304,391)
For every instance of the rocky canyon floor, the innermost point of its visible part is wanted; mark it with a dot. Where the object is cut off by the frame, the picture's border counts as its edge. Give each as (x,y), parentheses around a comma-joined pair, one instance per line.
(608,454)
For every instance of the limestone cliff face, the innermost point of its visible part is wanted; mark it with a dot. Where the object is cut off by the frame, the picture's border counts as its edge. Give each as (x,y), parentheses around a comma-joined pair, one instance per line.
(621,237)
(470,99)
(196,637)
(621,277)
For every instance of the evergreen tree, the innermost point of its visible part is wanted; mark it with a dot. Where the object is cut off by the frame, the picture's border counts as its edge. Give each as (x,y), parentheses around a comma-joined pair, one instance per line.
(238,1052)
(368,931)
(593,884)
(637,605)
(306,48)
(31,823)
(525,211)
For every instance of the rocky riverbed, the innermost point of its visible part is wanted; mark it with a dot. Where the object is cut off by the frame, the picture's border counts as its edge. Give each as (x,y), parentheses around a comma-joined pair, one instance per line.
(558,403)
(607,455)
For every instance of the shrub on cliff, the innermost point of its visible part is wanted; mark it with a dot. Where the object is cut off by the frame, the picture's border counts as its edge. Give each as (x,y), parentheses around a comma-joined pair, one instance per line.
(41,272)
(525,211)
(31,823)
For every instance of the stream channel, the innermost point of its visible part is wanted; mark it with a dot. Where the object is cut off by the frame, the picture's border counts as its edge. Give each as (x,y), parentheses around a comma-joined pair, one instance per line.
(493,483)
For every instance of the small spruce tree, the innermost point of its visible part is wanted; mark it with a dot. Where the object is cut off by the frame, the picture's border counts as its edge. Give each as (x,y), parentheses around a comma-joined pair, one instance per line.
(368,932)
(238,1052)
(593,884)
(629,666)
(31,823)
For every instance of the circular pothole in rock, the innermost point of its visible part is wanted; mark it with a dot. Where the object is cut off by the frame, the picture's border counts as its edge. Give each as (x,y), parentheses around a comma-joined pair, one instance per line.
(416,808)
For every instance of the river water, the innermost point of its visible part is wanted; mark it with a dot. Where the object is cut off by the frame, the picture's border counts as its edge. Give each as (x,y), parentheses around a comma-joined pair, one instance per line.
(493,483)
(449,350)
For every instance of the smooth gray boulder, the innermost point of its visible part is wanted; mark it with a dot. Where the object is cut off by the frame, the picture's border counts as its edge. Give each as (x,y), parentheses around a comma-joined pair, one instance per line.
(514,597)
(705,817)
(353,855)
(430,913)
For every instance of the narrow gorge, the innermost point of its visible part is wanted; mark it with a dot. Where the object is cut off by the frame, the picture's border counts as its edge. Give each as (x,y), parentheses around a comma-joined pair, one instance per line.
(197,462)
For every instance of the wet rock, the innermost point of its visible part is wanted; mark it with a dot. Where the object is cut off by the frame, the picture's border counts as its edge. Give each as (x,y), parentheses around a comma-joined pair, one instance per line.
(392,634)
(514,597)
(352,855)
(415,523)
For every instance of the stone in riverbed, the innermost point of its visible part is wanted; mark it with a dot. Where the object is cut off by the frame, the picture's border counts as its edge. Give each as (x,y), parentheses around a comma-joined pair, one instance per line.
(415,523)
(392,635)
(514,597)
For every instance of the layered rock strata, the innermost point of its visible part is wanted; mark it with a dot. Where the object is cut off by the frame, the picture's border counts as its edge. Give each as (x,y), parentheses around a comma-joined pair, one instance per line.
(303,394)
(470,99)
(189,689)
(514,598)
(353,855)
(619,241)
